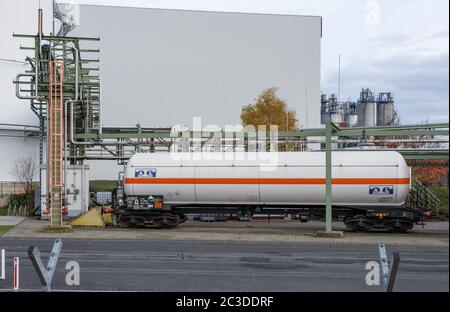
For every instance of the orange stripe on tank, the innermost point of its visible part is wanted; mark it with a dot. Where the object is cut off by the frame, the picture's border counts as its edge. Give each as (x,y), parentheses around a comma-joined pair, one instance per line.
(282,181)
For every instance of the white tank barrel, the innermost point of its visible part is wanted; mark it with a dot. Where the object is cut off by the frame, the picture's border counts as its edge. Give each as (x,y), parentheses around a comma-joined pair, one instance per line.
(366,178)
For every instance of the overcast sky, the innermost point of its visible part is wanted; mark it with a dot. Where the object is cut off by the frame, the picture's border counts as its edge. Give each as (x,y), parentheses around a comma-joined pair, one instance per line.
(388,45)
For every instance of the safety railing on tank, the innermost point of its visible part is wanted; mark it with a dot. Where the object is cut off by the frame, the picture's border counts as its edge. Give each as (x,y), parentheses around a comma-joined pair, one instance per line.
(422,197)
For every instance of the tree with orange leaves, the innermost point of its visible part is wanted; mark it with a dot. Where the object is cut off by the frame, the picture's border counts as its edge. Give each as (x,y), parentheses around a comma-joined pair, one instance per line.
(268,110)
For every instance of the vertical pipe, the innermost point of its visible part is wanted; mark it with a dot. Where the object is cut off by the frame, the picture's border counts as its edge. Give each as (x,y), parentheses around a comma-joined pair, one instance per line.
(328,187)
(53,17)
(60,141)
(82,197)
(40,23)
(37,57)
(339,79)
(16,273)
(66,201)
(77,61)
(2,275)
(38,50)
(87,124)
(49,144)
(139,130)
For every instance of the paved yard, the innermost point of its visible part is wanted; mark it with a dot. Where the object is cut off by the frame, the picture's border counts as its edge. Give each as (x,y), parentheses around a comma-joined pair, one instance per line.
(434,234)
(5,220)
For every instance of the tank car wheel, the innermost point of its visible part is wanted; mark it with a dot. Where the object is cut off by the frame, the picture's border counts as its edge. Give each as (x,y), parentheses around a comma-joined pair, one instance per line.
(123,222)
(182,218)
(359,223)
(166,220)
(398,225)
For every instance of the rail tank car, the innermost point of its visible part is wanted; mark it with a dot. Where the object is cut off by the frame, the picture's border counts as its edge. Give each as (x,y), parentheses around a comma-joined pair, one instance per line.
(371,185)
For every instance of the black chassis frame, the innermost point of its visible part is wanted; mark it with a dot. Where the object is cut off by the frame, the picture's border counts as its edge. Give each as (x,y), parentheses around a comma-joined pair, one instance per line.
(306,212)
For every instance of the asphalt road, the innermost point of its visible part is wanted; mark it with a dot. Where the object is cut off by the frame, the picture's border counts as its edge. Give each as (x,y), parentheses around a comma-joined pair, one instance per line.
(145,265)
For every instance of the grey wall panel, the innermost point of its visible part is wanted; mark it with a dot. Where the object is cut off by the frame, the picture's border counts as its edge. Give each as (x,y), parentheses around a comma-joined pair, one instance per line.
(162,67)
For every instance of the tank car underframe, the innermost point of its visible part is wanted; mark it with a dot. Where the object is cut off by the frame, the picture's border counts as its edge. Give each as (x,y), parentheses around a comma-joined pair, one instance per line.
(148,218)
(393,219)
(356,218)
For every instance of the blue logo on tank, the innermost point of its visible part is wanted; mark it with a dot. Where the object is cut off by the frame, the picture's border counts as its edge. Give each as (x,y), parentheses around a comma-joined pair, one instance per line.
(381,190)
(145,173)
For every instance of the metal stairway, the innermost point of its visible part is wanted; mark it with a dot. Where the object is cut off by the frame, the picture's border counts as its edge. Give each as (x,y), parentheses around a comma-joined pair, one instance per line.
(423,198)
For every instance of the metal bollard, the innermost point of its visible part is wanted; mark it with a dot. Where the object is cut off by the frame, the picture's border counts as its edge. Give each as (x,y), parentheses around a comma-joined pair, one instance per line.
(45,273)
(388,275)
(16,273)
(2,269)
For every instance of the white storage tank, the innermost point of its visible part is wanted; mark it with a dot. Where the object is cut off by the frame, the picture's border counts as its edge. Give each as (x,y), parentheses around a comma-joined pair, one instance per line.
(352,120)
(298,178)
(337,117)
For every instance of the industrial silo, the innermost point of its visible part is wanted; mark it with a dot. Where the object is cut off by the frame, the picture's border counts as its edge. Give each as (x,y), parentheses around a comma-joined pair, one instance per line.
(385,109)
(324,109)
(367,109)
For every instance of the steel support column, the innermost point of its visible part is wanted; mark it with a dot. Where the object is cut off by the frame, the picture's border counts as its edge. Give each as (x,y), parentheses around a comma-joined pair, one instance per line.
(330,129)
(328,176)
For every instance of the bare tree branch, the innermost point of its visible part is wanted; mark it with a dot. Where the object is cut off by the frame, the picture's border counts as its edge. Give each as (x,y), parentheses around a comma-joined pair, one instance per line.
(24,170)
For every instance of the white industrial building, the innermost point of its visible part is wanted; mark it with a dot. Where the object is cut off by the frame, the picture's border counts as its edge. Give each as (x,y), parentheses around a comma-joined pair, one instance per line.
(161,67)
(18,16)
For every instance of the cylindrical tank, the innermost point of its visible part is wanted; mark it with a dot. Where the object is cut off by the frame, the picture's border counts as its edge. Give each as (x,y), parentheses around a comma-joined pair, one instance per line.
(324,109)
(298,178)
(371,115)
(352,120)
(361,109)
(367,109)
(337,117)
(325,118)
(367,113)
(385,114)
